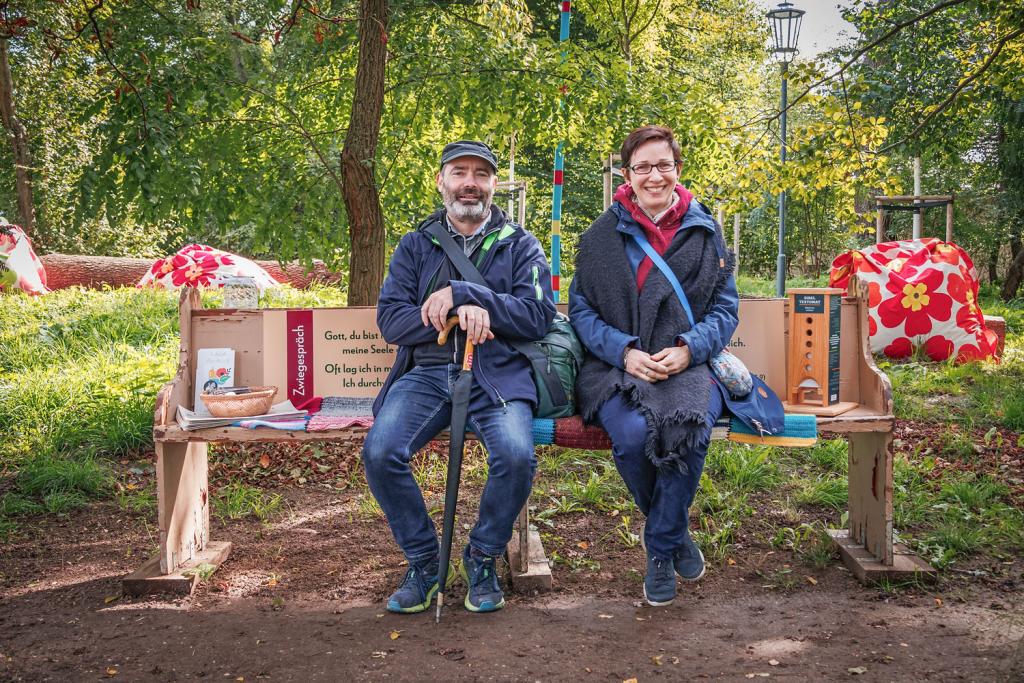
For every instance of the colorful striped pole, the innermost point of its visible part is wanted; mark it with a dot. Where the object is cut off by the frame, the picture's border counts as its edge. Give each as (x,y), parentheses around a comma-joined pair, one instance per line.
(565,7)
(556,223)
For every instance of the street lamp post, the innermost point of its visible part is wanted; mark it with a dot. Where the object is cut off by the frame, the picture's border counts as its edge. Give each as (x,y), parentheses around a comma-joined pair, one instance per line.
(785,21)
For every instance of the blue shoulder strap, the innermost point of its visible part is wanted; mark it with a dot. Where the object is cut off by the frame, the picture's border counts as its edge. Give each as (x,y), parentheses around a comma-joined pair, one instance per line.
(667,272)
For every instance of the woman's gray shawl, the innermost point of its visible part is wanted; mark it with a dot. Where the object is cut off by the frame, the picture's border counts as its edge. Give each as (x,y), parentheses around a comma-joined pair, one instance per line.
(675,408)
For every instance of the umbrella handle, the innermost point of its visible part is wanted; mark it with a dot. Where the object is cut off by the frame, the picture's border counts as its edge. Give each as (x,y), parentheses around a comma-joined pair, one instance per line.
(442,336)
(442,339)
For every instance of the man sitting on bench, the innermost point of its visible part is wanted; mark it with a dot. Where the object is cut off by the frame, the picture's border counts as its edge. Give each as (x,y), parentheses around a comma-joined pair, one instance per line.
(422,288)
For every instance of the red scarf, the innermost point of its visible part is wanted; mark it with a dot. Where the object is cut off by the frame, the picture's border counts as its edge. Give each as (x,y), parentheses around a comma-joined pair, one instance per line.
(659,234)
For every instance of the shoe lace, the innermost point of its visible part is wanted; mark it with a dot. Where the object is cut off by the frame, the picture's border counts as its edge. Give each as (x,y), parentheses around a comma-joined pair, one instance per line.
(662,568)
(411,579)
(484,572)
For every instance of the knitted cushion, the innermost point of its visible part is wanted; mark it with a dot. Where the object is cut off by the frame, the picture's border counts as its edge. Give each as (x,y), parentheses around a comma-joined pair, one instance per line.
(570,432)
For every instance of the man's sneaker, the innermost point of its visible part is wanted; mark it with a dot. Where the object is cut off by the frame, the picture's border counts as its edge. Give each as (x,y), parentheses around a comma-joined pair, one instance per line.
(418,588)
(660,582)
(689,561)
(483,594)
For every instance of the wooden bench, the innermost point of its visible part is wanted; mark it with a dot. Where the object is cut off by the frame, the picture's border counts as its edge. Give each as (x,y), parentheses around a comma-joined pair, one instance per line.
(866,545)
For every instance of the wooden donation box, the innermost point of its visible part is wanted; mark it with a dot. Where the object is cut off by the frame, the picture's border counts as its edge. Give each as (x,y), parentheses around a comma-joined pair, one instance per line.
(812,375)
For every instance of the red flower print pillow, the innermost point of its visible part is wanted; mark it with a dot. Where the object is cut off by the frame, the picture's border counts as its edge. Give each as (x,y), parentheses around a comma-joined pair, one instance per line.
(921,294)
(198,265)
(20,268)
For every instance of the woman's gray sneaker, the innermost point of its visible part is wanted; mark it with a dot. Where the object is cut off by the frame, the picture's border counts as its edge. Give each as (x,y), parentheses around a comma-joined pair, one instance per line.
(689,561)
(660,582)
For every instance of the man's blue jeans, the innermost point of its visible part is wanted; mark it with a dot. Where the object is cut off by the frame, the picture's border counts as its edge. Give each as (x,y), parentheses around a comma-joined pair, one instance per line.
(417,407)
(663,494)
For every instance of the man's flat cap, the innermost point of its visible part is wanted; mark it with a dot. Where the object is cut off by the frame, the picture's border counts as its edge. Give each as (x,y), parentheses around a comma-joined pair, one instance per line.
(468,148)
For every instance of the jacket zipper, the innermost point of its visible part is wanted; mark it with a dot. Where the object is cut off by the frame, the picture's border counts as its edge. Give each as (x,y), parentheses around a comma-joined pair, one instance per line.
(491,255)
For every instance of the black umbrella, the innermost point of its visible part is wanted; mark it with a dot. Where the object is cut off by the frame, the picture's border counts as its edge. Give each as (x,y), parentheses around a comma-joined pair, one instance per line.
(457,439)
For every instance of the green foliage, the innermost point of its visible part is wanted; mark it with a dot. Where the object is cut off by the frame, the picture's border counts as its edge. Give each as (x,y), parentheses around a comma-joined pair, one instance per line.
(50,484)
(744,468)
(91,363)
(825,491)
(237,500)
(810,543)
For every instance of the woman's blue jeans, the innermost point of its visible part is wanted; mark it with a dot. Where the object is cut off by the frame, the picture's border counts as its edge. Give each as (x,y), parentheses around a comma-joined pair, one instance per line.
(417,407)
(663,494)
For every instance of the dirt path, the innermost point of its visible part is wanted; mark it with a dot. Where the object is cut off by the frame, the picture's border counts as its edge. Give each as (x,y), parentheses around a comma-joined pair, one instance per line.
(301,600)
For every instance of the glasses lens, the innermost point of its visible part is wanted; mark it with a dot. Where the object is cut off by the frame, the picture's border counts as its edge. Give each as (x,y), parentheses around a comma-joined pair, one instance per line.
(666,166)
(642,168)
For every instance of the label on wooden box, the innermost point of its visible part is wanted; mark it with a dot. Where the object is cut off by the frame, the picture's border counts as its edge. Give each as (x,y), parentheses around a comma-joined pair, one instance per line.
(325,352)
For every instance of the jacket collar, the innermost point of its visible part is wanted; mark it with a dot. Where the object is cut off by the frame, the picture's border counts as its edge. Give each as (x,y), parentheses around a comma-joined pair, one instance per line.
(695,217)
(497,223)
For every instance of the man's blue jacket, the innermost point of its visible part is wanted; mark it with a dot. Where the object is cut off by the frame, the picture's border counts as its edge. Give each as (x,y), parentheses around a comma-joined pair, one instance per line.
(519,302)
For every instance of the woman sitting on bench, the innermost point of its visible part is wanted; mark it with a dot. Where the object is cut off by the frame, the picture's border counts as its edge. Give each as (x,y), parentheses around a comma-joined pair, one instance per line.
(646,378)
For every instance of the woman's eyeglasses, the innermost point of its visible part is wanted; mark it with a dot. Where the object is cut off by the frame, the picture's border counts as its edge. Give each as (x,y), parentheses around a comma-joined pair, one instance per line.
(643,168)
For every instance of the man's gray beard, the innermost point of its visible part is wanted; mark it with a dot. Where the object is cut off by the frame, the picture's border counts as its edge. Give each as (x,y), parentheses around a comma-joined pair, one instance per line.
(467,212)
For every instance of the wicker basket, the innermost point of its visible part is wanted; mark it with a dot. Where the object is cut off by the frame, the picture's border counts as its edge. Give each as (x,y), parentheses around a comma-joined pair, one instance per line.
(256,402)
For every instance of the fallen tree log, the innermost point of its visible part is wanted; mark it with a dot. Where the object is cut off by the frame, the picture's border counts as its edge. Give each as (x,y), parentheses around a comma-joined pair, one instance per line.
(93,272)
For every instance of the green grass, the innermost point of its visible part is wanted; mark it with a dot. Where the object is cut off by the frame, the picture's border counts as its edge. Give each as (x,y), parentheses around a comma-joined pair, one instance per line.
(824,491)
(235,501)
(744,468)
(810,543)
(757,287)
(50,484)
(971,395)
(828,455)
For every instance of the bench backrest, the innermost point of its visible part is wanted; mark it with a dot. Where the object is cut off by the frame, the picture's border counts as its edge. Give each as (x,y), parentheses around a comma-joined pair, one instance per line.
(339,351)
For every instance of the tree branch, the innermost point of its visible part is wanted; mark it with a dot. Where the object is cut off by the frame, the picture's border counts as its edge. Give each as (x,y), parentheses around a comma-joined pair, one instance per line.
(91,12)
(956,91)
(857,55)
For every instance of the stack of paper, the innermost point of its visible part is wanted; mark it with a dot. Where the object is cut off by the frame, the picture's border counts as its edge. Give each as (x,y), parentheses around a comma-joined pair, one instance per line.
(283,411)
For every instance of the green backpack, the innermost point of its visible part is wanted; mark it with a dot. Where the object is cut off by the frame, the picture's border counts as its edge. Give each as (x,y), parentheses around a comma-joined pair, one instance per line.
(556,360)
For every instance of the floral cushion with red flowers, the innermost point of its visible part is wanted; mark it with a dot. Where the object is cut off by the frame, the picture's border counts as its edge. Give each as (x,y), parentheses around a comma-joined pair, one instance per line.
(20,268)
(198,265)
(922,294)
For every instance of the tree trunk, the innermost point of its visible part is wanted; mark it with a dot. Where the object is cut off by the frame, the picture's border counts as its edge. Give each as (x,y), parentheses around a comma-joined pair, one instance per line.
(358,158)
(1014,274)
(993,264)
(19,145)
(93,272)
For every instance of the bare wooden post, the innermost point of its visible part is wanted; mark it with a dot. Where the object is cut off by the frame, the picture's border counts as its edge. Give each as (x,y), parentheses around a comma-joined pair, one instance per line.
(523,522)
(609,177)
(879,223)
(949,221)
(182,502)
(918,216)
(870,493)
(512,169)
(736,240)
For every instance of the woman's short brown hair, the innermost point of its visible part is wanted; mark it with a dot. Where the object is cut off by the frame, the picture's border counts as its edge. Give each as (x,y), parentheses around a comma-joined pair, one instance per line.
(646,134)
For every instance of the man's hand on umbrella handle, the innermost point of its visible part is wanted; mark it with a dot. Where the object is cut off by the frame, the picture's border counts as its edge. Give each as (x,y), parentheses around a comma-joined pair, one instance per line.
(436,307)
(476,321)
